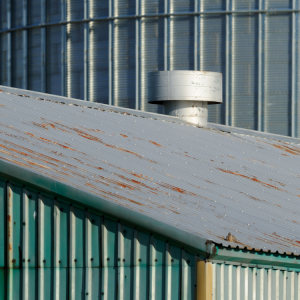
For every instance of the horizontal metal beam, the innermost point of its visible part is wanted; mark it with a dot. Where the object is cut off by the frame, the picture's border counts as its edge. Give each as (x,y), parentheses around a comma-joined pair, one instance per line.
(269,11)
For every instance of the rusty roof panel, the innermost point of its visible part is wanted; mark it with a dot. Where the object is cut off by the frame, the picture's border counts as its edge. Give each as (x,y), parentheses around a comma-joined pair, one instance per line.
(208,182)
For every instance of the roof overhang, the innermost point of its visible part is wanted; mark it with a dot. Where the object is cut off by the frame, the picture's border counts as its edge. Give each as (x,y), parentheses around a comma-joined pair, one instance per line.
(206,249)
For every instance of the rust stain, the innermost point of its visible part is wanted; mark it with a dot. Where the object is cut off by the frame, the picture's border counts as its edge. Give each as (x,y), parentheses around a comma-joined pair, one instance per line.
(251,178)
(9,218)
(44,125)
(156,144)
(123,135)
(1,105)
(231,156)
(176,189)
(9,247)
(295,222)
(116,196)
(284,154)
(66,147)
(285,148)
(209,182)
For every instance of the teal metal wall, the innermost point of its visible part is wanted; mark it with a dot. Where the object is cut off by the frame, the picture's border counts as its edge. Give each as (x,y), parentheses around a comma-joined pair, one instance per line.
(51,249)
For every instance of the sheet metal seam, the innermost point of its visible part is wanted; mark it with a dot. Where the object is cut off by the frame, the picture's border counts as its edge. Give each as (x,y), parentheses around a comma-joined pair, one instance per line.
(163,15)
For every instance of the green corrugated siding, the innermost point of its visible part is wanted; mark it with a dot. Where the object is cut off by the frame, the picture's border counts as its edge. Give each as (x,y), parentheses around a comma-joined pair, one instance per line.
(50,249)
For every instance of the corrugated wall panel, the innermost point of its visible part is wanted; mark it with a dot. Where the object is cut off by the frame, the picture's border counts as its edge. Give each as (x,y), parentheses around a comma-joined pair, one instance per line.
(152,7)
(3,58)
(245,71)
(3,43)
(98,8)
(124,63)
(152,56)
(98,62)
(59,251)
(212,56)
(34,60)
(75,60)
(124,7)
(182,6)
(283,4)
(53,11)
(237,282)
(16,13)
(182,43)
(278,74)
(75,55)
(17,59)
(53,60)
(2,239)
(30,238)
(157,268)
(243,5)
(34,11)
(3,14)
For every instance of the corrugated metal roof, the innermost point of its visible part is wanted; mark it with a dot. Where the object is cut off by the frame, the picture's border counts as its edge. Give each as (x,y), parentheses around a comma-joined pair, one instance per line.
(208,182)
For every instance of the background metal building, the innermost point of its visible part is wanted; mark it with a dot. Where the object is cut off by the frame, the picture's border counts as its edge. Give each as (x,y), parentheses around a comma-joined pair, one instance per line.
(103,50)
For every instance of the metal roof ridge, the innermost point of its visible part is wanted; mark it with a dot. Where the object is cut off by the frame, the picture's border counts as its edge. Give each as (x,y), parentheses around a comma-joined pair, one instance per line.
(254,133)
(149,115)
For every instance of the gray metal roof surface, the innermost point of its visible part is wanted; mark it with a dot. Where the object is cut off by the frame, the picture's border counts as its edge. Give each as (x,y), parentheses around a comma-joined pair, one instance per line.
(205,181)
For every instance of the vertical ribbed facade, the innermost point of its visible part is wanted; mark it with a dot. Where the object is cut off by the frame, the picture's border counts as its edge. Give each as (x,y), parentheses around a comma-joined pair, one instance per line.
(105,50)
(240,282)
(52,249)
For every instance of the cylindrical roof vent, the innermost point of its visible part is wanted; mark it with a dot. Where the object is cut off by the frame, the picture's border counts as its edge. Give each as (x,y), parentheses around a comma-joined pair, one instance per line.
(185,94)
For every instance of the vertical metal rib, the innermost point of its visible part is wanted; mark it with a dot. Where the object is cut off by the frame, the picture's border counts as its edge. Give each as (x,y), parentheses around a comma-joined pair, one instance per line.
(168,272)
(9,43)
(25,86)
(184,276)
(88,252)
(86,51)
(63,48)
(152,269)
(294,73)
(261,44)
(41,247)
(166,37)
(25,245)
(56,254)
(72,251)
(43,46)
(136,267)
(111,54)
(10,237)
(104,261)
(137,56)
(228,64)
(120,263)
(196,44)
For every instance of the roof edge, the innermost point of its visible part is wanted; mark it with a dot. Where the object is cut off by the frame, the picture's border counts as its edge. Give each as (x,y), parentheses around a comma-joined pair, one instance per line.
(139,113)
(255,133)
(117,109)
(256,258)
(72,194)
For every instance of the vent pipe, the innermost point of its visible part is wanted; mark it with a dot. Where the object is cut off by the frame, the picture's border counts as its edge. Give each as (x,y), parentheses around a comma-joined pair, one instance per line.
(185,94)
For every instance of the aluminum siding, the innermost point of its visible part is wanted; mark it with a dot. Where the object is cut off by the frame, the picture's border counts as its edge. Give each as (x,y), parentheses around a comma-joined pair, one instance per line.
(54,250)
(246,283)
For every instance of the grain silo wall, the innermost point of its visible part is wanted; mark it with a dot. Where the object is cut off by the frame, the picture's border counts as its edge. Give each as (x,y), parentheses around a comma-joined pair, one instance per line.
(102,51)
